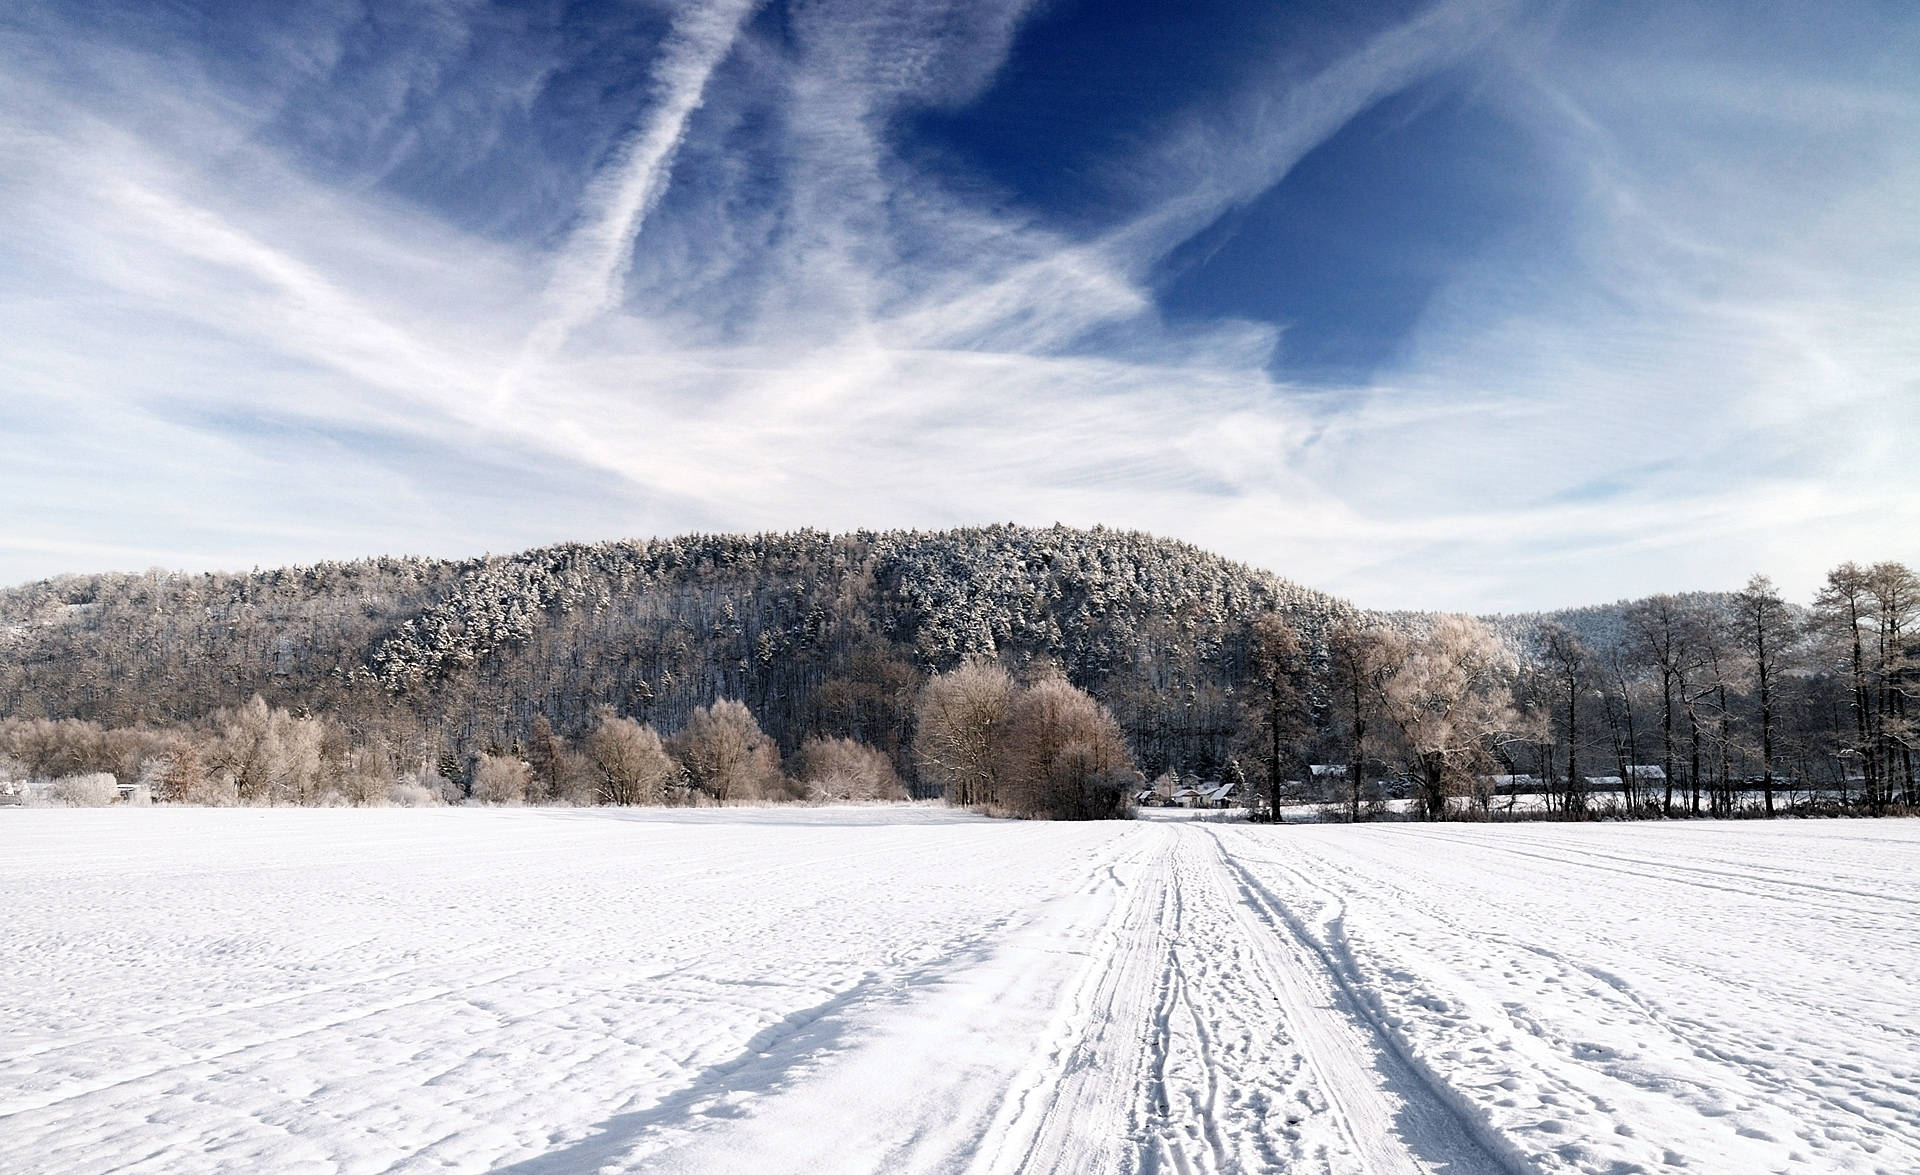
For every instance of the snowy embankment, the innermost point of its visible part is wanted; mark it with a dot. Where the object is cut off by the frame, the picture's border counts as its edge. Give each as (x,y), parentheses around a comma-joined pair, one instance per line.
(907,989)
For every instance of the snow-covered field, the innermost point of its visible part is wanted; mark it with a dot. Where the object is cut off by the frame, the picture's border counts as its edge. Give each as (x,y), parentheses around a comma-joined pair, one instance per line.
(905,989)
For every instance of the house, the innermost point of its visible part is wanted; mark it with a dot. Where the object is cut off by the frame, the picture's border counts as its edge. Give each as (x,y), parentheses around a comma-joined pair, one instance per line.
(1224,795)
(1508,785)
(1159,793)
(1643,775)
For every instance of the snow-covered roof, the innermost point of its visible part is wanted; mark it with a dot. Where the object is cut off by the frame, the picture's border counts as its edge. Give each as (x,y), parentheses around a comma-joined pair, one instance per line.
(1525,780)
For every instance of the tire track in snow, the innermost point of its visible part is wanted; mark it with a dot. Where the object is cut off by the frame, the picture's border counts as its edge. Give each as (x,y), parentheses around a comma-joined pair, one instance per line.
(1400,1117)
(1629,1090)
(1671,873)
(1057,1111)
(1067,1110)
(1225,1070)
(1702,1040)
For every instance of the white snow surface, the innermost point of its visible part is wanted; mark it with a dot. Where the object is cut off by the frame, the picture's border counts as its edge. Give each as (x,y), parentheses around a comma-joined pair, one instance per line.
(905,989)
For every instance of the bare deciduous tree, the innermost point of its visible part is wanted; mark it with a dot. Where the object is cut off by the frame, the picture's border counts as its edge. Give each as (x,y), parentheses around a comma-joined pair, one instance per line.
(960,718)
(726,755)
(1278,704)
(1063,756)
(1844,609)
(1360,659)
(632,765)
(1896,607)
(1660,631)
(1449,700)
(501,779)
(1570,662)
(1767,629)
(842,769)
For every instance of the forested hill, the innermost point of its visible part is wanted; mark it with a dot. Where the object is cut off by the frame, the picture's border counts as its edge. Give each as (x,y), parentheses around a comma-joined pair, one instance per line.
(817,633)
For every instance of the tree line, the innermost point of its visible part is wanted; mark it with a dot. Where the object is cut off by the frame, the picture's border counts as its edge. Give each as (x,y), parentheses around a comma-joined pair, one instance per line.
(806,665)
(259,754)
(1675,705)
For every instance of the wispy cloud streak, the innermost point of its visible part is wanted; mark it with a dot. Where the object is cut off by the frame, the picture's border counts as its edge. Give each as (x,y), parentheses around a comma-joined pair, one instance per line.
(591,268)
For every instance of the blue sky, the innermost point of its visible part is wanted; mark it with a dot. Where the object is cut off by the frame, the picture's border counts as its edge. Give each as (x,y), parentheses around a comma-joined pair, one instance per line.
(1464,304)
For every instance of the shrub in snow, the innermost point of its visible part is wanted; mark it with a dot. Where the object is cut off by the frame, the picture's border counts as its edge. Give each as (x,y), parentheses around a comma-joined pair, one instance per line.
(367,777)
(86,791)
(213,791)
(842,769)
(501,779)
(410,792)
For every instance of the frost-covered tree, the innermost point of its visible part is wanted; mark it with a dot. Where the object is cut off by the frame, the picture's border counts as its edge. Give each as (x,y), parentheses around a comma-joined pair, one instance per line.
(1661,631)
(1276,706)
(960,718)
(727,756)
(501,779)
(1844,612)
(1449,700)
(1360,659)
(1896,611)
(1569,663)
(842,769)
(633,766)
(1062,756)
(271,756)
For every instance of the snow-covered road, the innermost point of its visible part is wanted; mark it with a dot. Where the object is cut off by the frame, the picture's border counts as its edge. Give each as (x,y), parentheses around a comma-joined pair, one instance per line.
(906,989)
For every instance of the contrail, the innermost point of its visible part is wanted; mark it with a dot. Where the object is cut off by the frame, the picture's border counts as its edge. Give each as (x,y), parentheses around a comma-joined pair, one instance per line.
(592,267)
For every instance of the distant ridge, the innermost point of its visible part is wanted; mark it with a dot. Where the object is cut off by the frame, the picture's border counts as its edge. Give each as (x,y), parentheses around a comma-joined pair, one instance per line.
(815,631)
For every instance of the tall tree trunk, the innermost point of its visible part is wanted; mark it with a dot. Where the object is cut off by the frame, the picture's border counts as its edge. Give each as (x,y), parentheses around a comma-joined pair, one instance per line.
(1766,716)
(1862,711)
(1726,760)
(1666,734)
(1273,744)
(1693,750)
(1434,767)
(1358,757)
(1573,703)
